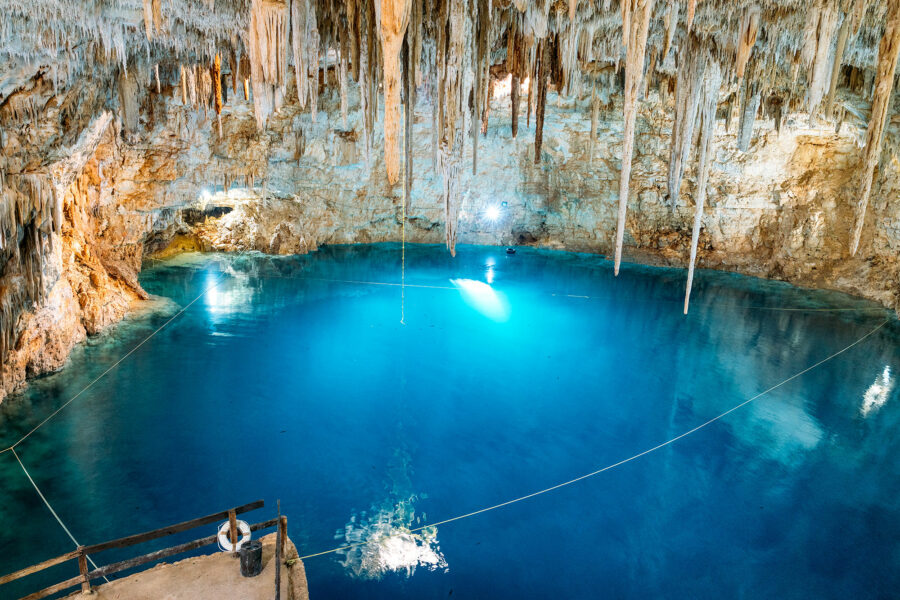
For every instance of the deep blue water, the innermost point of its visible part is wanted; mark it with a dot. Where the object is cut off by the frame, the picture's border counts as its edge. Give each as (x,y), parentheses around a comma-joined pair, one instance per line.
(291,379)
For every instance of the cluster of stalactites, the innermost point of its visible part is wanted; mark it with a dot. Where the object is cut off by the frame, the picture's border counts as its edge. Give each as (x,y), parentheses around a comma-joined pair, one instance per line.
(305,51)
(267,40)
(29,213)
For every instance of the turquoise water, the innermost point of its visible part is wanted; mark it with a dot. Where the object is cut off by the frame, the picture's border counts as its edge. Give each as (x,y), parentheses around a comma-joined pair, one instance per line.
(293,378)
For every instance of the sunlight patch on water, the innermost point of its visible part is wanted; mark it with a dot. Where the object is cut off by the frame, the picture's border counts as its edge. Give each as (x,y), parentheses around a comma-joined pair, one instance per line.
(483,298)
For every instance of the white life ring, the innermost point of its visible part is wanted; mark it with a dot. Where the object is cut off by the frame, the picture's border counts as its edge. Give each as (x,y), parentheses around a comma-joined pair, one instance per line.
(225,539)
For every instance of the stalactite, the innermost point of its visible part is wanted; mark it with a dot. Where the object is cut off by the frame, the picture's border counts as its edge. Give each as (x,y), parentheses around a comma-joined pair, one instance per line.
(312,59)
(888,50)
(192,85)
(480,60)
(711,80)
(648,78)
(514,96)
(233,67)
(487,106)
(267,39)
(217,85)
(354,32)
(457,86)
(409,92)
(749,108)
(394,20)
(529,100)
(688,96)
(298,49)
(541,83)
(343,77)
(152,18)
(205,85)
(364,110)
(843,35)
(128,102)
(820,27)
(595,117)
(184,85)
(29,213)
(514,59)
(859,11)
(636,38)
(244,75)
(689,18)
(671,23)
(746,39)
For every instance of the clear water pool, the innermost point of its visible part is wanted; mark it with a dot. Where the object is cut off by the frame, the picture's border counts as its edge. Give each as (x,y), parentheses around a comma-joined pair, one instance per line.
(293,378)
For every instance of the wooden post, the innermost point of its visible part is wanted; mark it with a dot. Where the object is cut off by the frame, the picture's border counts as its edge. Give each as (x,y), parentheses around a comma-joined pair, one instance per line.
(83,569)
(282,530)
(233,533)
(279,553)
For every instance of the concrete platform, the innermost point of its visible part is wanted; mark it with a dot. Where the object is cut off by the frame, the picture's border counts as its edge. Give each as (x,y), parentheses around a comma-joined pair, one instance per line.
(211,577)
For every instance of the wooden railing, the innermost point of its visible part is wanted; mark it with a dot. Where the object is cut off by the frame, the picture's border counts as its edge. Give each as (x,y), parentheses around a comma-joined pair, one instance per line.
(81,553)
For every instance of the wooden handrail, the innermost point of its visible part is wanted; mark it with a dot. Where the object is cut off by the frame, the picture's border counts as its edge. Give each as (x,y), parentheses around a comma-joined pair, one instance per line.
(138,561)
(39,567)
(84,578)
(138,538)
(166,552)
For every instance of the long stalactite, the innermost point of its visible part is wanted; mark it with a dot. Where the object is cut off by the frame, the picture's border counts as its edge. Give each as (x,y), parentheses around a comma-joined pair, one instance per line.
(394,19)
(712,78)
(688,97)
(638,25)
(888,51)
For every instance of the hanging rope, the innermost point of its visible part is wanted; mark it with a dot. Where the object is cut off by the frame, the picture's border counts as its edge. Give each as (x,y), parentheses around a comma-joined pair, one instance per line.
(623,461)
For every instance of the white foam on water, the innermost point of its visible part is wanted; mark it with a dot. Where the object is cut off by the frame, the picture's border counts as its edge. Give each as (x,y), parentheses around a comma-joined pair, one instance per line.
(386,543)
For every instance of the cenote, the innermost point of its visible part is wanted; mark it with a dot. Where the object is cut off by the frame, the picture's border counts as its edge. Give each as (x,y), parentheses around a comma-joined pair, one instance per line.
(294,378)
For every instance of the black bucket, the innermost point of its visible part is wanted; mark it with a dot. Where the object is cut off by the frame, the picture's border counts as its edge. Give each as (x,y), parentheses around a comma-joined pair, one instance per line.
(251,558)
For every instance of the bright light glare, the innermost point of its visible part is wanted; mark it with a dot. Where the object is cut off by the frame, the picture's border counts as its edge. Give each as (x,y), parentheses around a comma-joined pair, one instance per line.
(878,392)
(492,213)
(483,298)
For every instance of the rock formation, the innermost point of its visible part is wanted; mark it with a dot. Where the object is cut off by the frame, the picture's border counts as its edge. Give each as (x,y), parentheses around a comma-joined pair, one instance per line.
(277,125)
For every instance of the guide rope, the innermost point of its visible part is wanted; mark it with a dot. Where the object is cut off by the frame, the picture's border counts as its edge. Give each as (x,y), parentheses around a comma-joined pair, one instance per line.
(621,462)
(53,512)
(111,367)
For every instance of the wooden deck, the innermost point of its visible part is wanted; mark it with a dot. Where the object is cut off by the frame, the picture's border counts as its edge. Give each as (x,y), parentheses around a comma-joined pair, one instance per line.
(210,577)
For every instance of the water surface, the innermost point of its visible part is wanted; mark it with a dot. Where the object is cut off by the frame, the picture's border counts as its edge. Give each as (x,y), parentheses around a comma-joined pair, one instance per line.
(293,378)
